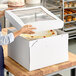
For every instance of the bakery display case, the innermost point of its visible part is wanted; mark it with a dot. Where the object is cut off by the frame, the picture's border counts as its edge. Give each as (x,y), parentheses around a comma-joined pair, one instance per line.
(48,46)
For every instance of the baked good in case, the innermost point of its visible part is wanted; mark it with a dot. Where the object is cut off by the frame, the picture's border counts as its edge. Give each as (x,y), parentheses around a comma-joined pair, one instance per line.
(74,18)
(69,18)
(74,4)
(65,5)
(65,13)
(68,25)
(70,4)
(64,20)
(69,12)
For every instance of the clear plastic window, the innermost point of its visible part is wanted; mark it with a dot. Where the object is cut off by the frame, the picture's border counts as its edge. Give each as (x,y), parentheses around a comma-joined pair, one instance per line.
(33,15)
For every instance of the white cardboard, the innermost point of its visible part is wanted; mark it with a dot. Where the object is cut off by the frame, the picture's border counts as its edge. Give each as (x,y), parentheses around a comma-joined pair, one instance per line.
(40,25)
(39,53)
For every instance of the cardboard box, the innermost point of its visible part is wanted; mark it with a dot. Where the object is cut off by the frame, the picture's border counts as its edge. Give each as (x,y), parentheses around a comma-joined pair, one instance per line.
(40,53)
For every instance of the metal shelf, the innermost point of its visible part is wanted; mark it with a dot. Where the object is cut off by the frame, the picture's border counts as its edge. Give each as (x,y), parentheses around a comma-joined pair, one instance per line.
(69,22)
(69,7)
(70,14)
(72,37)
(71,32)
(69,0)
(71,28)
(53,8)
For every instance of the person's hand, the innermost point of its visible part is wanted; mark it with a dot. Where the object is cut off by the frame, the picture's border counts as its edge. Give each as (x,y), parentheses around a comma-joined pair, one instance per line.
(27,29)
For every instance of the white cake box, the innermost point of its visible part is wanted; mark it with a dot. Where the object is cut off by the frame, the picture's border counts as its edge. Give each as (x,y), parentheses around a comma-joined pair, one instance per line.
(39,53)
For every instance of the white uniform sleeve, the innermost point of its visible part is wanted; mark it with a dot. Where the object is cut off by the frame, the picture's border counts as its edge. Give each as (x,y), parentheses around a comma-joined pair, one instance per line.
(4,40)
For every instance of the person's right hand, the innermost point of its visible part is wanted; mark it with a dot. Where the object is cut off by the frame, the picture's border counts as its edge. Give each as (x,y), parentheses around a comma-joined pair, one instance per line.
(27,29)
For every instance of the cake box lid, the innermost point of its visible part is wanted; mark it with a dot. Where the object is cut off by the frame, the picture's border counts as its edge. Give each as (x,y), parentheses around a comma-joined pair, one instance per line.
(38,17)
